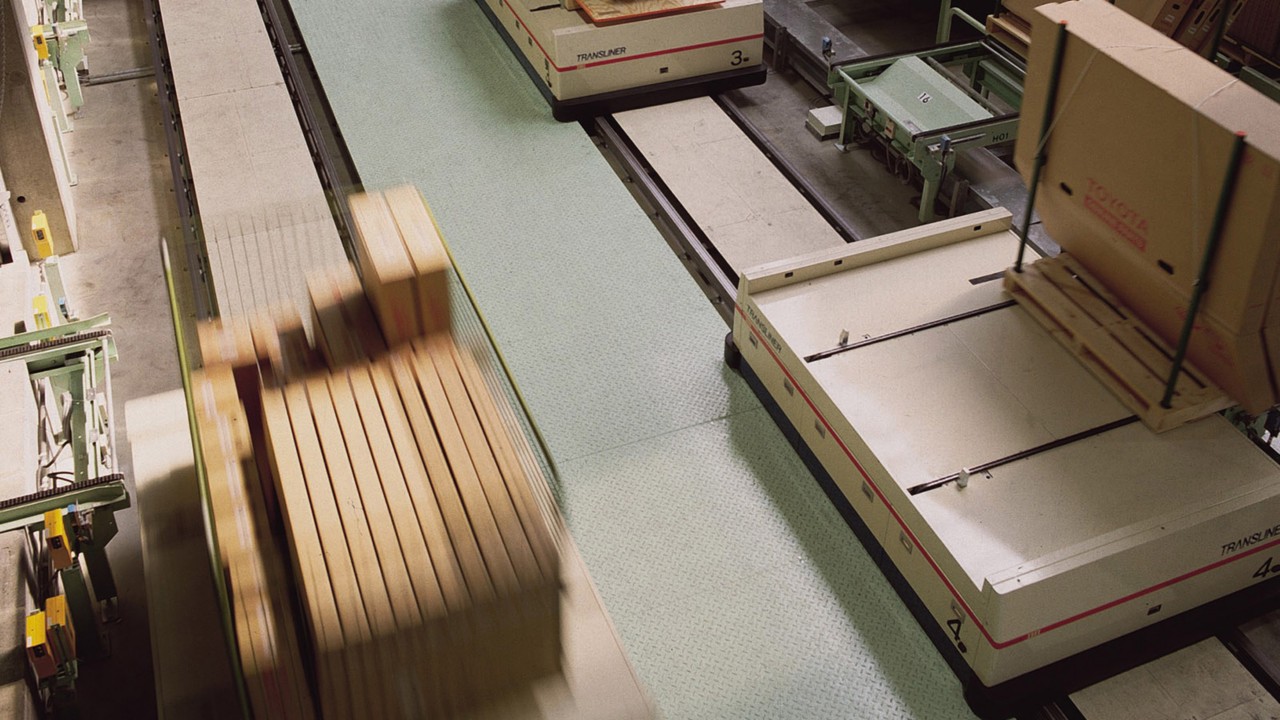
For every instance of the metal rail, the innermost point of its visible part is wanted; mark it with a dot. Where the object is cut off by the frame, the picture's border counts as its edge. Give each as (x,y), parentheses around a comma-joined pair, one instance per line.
(717,279)
(206,305)
(137,73)
(315,115)
(1050,101)
(1201,284)
(51,343)
(794,32)
(27,511)
(940,322)
(202,484)
(1021,455)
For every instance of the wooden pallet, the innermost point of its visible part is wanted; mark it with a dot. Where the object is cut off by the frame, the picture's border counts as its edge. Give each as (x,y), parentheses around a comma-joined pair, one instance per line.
(1122,352)
(1012,30)
(426,572)
(608,11)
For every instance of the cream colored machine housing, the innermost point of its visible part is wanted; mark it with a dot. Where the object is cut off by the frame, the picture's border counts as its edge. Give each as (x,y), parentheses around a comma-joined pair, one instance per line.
(577,59)
(1038,558)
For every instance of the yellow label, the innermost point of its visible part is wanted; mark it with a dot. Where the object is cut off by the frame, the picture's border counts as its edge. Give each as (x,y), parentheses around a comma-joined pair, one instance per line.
(40,233)
(35,629)
(40,308)
(55,532)
(56,608)
(37,37)
(61,629)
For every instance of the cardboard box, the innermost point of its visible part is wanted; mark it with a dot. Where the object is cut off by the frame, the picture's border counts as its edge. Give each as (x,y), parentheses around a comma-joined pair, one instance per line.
(1148,11)
(1135,164)
(1257,26)
(1236,362)
(1198,23)
(1011,30)
(1171,15)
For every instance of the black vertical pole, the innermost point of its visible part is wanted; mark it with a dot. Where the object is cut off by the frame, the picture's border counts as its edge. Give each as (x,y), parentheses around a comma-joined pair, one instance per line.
(1050,102)
(1220,27)
(1206,266)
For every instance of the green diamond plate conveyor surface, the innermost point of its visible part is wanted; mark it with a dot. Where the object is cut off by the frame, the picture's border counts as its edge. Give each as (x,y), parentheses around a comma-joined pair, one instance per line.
(736,587)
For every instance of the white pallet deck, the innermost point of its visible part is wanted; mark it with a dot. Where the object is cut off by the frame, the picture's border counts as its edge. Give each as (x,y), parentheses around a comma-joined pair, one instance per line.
(1201,682)
(747,208)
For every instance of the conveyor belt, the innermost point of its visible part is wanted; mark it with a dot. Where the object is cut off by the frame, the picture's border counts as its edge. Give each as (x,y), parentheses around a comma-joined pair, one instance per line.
(56,342)
(60,491)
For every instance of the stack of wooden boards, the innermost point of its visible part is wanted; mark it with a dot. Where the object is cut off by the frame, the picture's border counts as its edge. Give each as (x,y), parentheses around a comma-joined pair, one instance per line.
(425,572)
(1189,22)
(254,572)
(1136,163)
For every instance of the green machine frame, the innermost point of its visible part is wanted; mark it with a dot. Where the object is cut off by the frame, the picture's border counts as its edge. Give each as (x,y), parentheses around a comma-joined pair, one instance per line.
(94,504)
(75,358)
(73,362)
(877,106)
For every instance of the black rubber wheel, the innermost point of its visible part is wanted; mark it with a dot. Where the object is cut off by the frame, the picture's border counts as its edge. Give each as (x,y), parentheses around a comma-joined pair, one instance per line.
(732,355)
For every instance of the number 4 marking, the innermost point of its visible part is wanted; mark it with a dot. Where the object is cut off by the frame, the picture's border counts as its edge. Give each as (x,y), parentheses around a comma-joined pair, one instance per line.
(1268,568)
(955,624)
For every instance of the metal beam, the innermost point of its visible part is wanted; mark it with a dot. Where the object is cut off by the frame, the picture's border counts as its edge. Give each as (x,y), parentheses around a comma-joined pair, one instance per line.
(28,511)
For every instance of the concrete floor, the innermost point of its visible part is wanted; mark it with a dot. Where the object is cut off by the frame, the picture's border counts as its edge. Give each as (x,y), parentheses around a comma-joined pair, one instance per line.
(882,26)
(125,204)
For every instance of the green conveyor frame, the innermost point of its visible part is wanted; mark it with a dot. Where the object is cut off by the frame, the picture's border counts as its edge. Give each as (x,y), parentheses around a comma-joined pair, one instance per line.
(926,106)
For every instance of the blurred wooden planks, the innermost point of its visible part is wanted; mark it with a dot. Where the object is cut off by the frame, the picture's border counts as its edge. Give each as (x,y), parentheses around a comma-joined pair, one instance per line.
(427,255)
(459,586)
(403,263)
(426,576)
(263,617)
